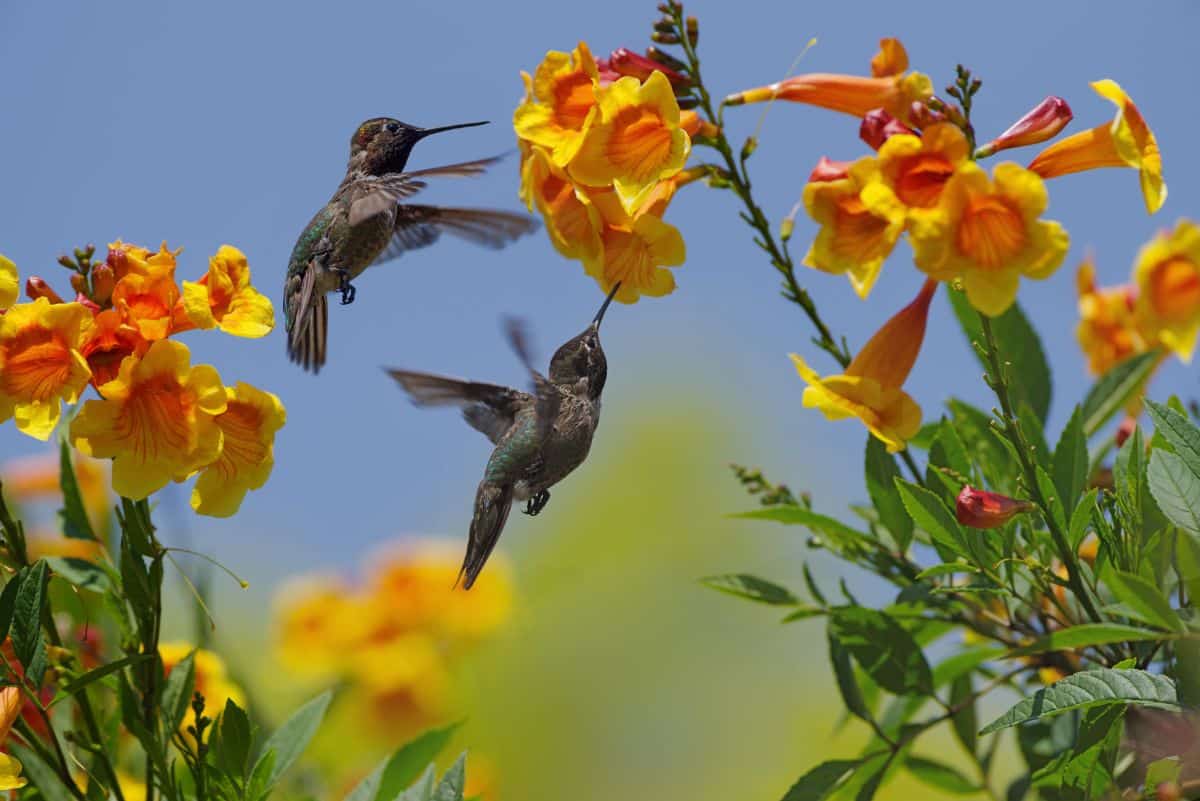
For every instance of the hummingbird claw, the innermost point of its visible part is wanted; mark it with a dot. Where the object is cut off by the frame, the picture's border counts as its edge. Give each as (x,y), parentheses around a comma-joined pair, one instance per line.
(537,503)
(346,288)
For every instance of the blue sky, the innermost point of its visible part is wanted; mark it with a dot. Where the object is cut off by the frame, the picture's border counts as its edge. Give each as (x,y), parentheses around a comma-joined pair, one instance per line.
(220,122)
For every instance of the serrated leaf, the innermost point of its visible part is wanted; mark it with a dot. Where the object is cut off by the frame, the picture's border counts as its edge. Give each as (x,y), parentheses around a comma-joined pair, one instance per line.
(1179,431)
(1086,635)
(847,684)
(1176,489)
(932,516)
(450,788)
(940,776)
(1088,689)
(1113,391)
(881,474)
(751,588)
(26,628)
(884,650)
(75,523)
(177,693)
(818,783)
(289,740)
(1145,599)
(404,766)
(1071,461)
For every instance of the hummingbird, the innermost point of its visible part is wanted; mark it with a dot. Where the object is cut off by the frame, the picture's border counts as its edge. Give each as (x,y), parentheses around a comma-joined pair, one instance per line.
(539,437)
(365,223)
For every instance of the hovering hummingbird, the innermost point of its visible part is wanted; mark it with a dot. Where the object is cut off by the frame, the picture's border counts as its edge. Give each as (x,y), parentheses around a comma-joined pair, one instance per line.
(539,437)
(364,223)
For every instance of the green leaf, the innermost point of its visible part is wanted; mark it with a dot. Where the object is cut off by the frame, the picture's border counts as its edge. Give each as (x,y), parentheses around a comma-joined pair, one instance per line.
(1071,461)
(422,790)
(258,785)
(406,764)
(235,740)
(450,788)
(290,739)
(1145,599)
(884,650)
(1019,345)
(881,473)
(963,663)
(837,535)
(1176,489)
(1186,671)
(1160,771)
(946,569)
(41,775)
(83,574)
(27,614)
(1035,434)
(966,719)
(932,516)
(751,588)
(821,781)
(8,604)
(96,674)
(1179,431)
(1088,689)
(940,776)
(1113,391)
(75,523)
(1050,493)
(1085,635)
(1081,517)
(847,684)
(177,693)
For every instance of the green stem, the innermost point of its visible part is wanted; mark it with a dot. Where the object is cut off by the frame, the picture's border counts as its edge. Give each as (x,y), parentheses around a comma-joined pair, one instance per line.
(52,758)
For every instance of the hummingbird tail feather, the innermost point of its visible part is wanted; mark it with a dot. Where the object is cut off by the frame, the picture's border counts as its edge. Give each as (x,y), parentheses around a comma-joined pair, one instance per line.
(492,505)
(306,346)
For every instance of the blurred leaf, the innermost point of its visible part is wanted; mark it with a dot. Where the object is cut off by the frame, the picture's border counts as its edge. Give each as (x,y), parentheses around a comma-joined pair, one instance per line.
(1114,389)
(1186,670)
(886,652)
(1179,431)
(83,574)
(422,790)
(26,629)
(873,774)
(290,739)
(811,583)
(940,776)
(405,765)
(75,523)
(1084,770)
(1071,461)
(1019,346)
(847,684)
(1144,598)
(946,569)
(838,535)
(1085,635)
(1088,689)
(881,473)
(965,721)
(1176,489)
(177,693)
(258,786)
(751,588)
(235,740)
(42,776)
(1159,771)
(1081,517)
(96,674)
(450,788)
(818,783)
(963,663)
(989,449)
(932,516)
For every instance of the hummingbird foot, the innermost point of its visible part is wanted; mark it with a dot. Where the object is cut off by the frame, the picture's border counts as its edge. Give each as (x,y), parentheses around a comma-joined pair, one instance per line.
(345,287)
(537,503)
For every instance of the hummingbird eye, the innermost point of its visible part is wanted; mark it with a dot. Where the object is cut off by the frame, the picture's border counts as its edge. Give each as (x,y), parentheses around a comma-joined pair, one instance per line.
(392,127)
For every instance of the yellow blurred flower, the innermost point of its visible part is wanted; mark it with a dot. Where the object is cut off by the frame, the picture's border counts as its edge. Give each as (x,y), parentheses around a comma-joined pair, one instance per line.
(319,622)
(404,681)
(212,677)
(559,103)
(571,220)
(10,283)
(1167,275)
(248,426)
(156,420)
(1106,332)
(483,779)
(132,787)
(871,389)
(636,141)
(40,363)
(1125,142)
(987,232)
(42,544)
(861,220)
(224,298)
(918,168)
(10,710)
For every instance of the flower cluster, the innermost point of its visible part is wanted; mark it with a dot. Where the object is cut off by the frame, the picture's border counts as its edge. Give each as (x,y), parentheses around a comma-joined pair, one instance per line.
(159,418)
(1159,308)
(603,145)
(394,638)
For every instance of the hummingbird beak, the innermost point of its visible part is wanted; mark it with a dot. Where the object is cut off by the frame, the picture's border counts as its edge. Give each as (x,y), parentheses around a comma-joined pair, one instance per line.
(424,132)
(600,314)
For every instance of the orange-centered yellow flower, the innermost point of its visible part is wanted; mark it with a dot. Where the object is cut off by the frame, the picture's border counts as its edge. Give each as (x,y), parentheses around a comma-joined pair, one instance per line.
(319,623)
(40,363)
(861,221)
(1126,142)
(871,389)
(1106,332)
(571,220)
(147,302)
(10,283)
(988,234)
(126,259)
(636,142)
(156,420)
(224,298)
(1167,274)
(559,103)
(248,426)
(10,766)
(918,168)
(635,250)
(106,344)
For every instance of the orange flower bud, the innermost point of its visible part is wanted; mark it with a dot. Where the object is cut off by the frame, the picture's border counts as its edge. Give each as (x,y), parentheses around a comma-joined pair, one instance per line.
(1125,430)
(982,509)
(922,116)
(79,284)
(1044,121)
(829,170)
(37,287)
(878,126)
(624,61)
(103,281)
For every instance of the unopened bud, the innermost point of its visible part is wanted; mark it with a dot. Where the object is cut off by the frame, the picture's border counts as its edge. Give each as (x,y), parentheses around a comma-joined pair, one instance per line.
(626,62)
(878,126)
(665,26)
(79,284)
(664,38)
(666,59)
(103,281)
(1125,430)
(65,261)
(829,170)
(982,509)
(1043,122)
(693,31)
(922,116)
(37,287)
(786,227)
(748,147)
(688,102)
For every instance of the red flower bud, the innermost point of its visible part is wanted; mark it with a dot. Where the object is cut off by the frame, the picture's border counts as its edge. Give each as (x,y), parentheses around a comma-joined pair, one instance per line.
(624,61)
(922,116)
(1043,122)
(1125,430)
(88,303)
(878,126)
(982,509)
(103,281)
(1167,791)
(829,170)
(38,288)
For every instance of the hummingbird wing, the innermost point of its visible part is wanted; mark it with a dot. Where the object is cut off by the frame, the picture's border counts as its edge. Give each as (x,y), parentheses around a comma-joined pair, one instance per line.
(421,226)
(548,397)
(488,408)
(371,194)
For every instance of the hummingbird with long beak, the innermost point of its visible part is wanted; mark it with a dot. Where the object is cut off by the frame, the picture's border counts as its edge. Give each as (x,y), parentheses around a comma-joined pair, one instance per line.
(539,437)
(365,223)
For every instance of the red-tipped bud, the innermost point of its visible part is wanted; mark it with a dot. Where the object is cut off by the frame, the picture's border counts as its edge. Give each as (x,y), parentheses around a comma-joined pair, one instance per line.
(1125,430)
(1043,122)
(38,288)
(922,116)
(103,281)
(878,126)
(88,303)
(982,509)
(624,61)
(829,170)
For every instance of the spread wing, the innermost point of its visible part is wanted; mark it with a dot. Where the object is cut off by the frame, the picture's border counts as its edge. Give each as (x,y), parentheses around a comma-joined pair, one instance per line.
(488,408)
(371,194)
(548,397)
(420,226)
